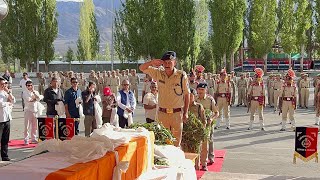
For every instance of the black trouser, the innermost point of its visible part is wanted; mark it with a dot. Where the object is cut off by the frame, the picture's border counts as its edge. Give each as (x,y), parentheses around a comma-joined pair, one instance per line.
(149,120)
(4,136)
(123,122)
(76,125)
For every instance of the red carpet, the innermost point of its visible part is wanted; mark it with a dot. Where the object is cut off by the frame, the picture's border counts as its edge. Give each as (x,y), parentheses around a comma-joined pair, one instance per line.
(216,166)
(20,144)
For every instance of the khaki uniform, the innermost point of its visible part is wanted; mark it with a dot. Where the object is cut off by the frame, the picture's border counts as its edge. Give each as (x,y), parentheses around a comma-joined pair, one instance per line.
(66,84)
(257,94)
(277,86)
(171,98)
(317,107)
(134,81)
(299,91)
(82,84)
(289,94)
(271,91)
(304,86)
(106,80)
(114,84)
(100,84)
(198,110)
(93,79)
(223,96)
(242,91)
(123,77)
(268,88)
(316,83)
(233,92)
(210,83)
(193,85)
(208,103)
(42,84)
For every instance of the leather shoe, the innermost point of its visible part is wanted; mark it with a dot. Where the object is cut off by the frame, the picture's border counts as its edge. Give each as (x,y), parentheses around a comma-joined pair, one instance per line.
(204,168)
(5,159)
(210,162)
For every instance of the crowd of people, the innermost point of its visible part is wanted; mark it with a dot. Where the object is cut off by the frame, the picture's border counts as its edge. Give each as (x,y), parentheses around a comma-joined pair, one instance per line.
(168,94)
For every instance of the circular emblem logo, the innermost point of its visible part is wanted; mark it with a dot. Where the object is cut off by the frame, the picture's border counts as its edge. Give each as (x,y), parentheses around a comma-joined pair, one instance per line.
(45,131)
(306,143)
(66,132)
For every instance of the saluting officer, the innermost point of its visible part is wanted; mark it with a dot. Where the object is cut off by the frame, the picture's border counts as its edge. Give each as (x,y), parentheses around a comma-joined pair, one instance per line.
(209,104)
(173,92)
(304,86)
(289,96)
(256,96)
(223,98)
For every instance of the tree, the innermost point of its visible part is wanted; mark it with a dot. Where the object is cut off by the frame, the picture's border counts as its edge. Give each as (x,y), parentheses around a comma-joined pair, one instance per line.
(201,31)
(29,31)
(179,18)
(263,24)
(227,26)
(287,27)
(303,17)
(88,35)
(107,55)
(206,56)
(69,57)
(317,27)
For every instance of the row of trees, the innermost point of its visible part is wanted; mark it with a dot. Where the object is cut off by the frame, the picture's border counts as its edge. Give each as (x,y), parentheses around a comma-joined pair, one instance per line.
(147,28)
(28,31)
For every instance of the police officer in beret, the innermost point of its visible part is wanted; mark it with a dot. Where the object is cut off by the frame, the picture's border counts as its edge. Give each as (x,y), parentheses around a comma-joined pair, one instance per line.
(173,92)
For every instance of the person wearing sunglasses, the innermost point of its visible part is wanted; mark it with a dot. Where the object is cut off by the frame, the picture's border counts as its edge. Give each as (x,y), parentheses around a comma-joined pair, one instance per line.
(6,102)
(22,84)
(126,104)
(32,98)
(71,108)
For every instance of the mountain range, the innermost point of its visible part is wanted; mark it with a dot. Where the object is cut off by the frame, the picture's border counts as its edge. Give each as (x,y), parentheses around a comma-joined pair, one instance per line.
(69,18)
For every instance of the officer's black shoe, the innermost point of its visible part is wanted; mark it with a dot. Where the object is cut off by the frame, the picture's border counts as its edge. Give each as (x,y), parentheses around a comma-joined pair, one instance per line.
(228,128)
(204,168)
(262,129)
(249,128)
(238,105)
(306,107)
(210,162)
(316,124)
(5,159)
(282,129)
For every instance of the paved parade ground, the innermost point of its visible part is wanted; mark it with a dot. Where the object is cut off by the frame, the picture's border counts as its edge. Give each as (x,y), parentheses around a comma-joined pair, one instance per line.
(249,154)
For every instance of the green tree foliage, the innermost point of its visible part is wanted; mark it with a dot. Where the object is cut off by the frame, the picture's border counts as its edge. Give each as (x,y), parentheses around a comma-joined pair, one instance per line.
(303,19)
(179,18)
(206,56)
(69,56)
(202,30)
(88,43)
(107,55)
(317,27)
(29,31)
(263,24)
(227,26)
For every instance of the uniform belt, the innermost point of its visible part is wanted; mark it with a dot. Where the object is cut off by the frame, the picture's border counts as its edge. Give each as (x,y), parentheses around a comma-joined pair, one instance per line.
(170,110)
(255,98)
(223,95)
(305,87)
(276,89)
(287,98)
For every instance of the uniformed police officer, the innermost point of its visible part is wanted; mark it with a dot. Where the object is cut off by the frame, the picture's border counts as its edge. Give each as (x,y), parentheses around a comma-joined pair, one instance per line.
(277,85)
(256,94)
(134,81)
(242,90)
(198,110)
(208,104)
(173,92)
(289,96)
(114,82)
(223,98)
(304,86)
(192,80)
(42,83)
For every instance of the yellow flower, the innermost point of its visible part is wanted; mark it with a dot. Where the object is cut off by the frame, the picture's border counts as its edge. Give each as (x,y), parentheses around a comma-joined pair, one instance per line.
(169,142)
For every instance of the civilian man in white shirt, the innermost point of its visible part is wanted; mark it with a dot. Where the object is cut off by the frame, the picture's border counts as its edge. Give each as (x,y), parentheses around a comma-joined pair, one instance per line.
(22,84)
(126,105)
(6,101)
(32,98)
(150,103)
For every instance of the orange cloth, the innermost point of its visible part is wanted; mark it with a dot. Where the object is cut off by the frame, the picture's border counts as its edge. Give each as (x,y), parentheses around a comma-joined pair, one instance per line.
(136,152)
